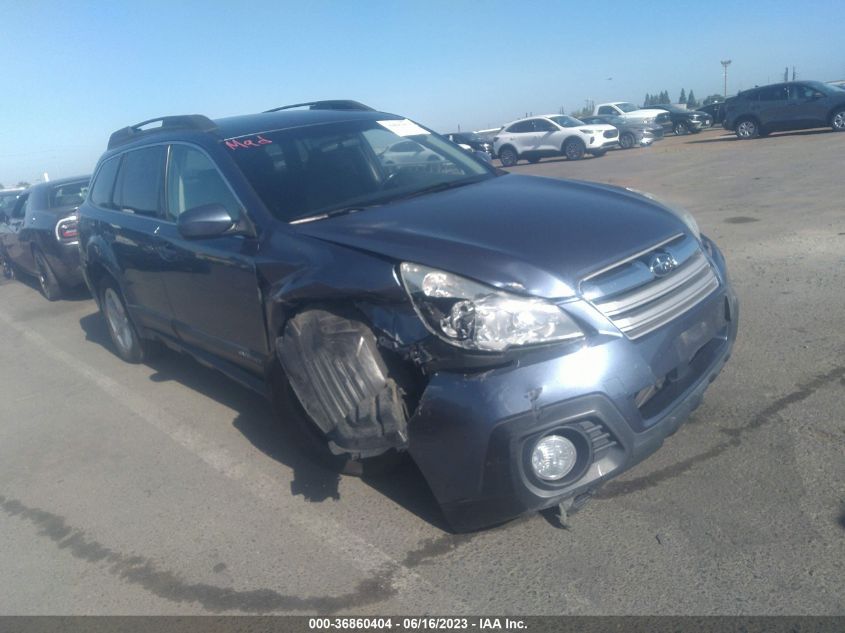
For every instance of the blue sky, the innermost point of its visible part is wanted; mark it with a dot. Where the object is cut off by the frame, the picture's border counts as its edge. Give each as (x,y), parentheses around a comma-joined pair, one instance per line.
(73,72)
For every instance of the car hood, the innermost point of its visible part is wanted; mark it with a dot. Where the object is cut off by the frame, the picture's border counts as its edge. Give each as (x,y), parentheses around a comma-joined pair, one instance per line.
(642,113)
(533,235)
(596,127)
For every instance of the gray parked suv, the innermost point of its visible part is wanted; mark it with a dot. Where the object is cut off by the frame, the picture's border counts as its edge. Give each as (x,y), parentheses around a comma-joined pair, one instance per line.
(794,105)
(523,339)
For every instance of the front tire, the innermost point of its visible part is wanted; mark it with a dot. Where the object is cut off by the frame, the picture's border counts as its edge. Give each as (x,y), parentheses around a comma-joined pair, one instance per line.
(747,129)
(681,128)
(574,149)
(128,345)
(837,120)
(50,287)
(627,140)
(508,157)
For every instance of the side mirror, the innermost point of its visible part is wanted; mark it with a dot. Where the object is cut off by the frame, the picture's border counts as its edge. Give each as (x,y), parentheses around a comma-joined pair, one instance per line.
(207,220)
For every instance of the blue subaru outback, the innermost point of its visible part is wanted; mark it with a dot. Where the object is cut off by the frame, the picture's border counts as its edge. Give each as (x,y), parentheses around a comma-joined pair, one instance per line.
(523,339)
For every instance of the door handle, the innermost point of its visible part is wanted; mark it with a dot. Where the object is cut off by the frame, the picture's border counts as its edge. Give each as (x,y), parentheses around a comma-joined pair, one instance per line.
(168,252)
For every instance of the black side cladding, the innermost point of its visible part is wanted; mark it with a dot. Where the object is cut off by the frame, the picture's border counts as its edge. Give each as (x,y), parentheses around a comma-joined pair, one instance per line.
(336,371)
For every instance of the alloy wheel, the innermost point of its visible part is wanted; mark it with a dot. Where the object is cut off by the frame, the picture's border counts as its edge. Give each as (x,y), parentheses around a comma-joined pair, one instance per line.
(839,121)
(117,319)
(746,129)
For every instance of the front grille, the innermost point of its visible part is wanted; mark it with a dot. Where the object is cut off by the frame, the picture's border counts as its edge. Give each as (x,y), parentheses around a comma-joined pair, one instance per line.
(638,301)
(611,133)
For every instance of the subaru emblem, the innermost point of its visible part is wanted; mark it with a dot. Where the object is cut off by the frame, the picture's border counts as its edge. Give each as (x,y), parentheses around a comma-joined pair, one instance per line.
(661,264)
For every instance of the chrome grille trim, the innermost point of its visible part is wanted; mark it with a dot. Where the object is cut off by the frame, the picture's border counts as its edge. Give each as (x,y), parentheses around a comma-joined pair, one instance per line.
(656,289)
(638,302)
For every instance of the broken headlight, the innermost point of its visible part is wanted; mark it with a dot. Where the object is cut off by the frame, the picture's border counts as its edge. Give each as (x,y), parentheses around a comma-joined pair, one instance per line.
(471,315)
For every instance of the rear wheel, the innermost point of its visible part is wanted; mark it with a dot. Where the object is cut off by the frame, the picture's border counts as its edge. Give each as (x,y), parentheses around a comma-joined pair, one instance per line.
(747,129)
(508,156)
(574,149)
(129,346)
(837,121)
(50,287)
(626,141)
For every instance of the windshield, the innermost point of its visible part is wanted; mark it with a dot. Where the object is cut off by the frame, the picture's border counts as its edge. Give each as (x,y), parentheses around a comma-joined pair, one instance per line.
(566,121)
(627,107)
(7,199)
(310,171)
(823,87)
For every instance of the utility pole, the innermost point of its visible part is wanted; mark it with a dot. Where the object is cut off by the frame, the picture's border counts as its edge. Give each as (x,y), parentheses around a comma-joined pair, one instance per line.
(786,74)
(725,63)
(793,73)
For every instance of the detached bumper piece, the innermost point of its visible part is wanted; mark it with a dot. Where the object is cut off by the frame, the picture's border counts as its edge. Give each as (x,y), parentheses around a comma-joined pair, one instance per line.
(338,375)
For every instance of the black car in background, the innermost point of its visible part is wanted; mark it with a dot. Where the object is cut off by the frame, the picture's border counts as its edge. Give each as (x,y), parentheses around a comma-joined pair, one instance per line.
(8,197)
(716,111)
(793,105)
(472,140)
(685,121)
(631,133)
(39,235)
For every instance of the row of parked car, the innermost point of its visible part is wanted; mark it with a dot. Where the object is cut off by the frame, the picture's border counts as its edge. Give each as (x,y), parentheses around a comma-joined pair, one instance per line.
(752,113)
(522,339)
(612,125)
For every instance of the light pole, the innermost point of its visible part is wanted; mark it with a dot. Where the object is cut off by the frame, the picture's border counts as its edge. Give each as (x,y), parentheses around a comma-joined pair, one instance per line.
(725,64)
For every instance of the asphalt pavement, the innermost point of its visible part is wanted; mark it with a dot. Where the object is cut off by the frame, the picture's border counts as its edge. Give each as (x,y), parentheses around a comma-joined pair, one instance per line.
(165,488)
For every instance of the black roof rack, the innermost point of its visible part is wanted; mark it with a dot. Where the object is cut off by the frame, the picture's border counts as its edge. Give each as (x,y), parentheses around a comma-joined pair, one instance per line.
(334,104)
(183,121)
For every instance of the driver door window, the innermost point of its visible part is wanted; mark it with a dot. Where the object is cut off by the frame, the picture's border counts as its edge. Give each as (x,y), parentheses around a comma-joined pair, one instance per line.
(193,181)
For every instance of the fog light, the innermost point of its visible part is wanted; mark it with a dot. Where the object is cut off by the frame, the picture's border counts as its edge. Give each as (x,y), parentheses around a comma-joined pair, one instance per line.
(553,457)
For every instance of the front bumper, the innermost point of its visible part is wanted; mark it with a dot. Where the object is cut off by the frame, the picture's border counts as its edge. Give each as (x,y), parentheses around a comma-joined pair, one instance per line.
(472,433)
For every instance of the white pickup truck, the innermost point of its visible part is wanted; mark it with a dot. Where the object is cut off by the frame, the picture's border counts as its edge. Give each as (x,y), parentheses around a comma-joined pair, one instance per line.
(632,113)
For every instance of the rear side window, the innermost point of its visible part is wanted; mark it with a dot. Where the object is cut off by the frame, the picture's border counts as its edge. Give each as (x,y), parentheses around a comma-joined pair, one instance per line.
(521,126)
(607,110)
(193,181)
(139,181)
(773,93)
(103,187)
(68,194)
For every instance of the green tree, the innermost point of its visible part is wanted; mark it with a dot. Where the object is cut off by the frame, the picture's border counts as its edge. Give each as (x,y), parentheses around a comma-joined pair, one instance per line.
(683,97)
(664,97)
(692,104)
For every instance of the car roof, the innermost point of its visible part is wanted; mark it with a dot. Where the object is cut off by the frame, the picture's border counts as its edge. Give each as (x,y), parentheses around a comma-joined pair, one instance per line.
(58,181)
(244,125)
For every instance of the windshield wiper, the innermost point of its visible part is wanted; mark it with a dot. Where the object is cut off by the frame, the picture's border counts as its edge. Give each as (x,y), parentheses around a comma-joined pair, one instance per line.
(312,217)
(441,186)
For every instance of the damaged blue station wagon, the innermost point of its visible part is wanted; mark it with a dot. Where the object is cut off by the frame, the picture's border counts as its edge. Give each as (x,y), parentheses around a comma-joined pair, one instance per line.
(523,339)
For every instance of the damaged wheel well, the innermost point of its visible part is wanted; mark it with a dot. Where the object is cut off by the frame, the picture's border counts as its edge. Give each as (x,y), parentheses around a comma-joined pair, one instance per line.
(358,395)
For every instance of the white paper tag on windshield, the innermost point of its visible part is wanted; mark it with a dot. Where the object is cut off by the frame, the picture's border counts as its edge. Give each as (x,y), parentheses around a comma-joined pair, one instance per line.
(403,127)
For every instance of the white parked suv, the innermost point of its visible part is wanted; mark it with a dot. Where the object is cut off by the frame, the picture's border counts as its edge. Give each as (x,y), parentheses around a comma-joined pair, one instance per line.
(552,135)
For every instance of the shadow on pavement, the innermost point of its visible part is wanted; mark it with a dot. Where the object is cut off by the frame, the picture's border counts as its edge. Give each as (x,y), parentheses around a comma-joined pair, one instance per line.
(275,434)
(730,137)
